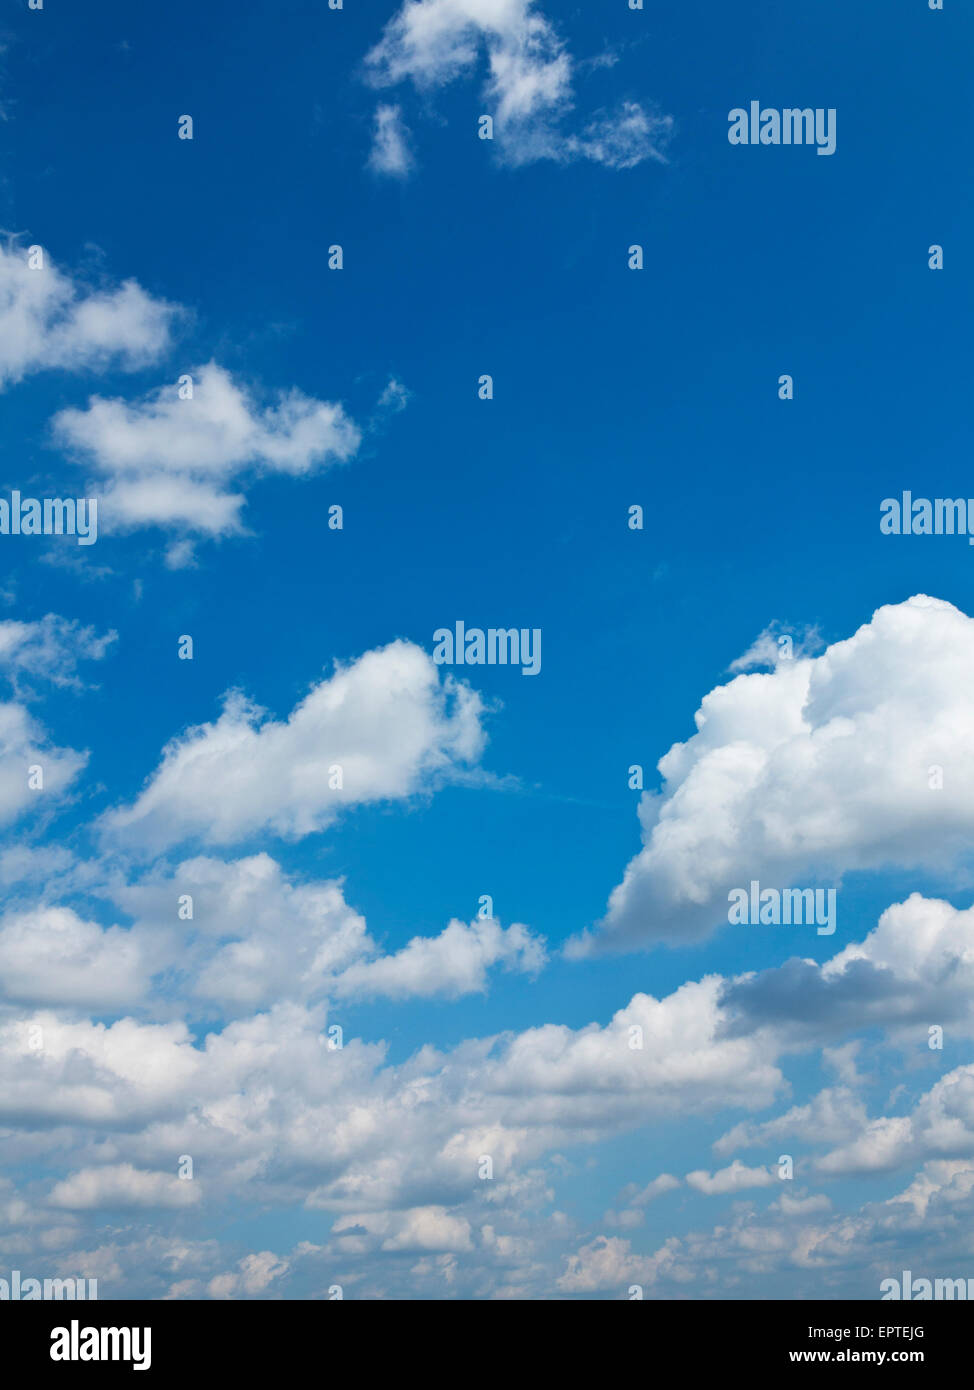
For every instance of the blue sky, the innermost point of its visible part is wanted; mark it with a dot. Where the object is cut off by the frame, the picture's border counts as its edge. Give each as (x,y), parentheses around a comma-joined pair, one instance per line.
(358,388)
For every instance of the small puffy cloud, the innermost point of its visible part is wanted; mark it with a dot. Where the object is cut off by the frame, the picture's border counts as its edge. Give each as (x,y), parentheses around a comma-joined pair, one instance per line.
(641,1196)
(176,461)
(180,555)
(737,1177)
(390,143)
(801,1206)
(627,1219)
(529,90)
(387,721)
(822,766)
(415,1229)
(48,321)
(449,965)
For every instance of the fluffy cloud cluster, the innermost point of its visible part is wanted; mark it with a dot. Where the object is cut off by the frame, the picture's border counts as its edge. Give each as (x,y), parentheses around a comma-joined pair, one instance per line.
(940,1126)
(266,1098)
(529,90)
(797,1245)
(173,460)
(48,320)
(271,1110)
(207,936)
(914,967)
(855,759)
(265,1104)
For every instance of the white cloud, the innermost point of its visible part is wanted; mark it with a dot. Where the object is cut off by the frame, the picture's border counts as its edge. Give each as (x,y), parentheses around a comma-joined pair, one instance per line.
(264,1104)
(172,462)
(801,1206)
(273,1115)
(417,1228)
(776,643)
(50,648)
(270,1112)
(619,139)
(640,1197)
(940,1126)
(254,1274)
(390,143)
(431,42)
(450,965)
(941,1181)
(395,397)
(48,320)
(529,89)
(821,766)
(256,937)
(826,1118)
(234,952)
(609,1263)
(735,1178)
(24,745)
(121,1185)
(386,720)
(88,1073)
(51,956)
(916,965)
(33,865)
(626,1220)
(655,1056)
(637,1198)
(921,941)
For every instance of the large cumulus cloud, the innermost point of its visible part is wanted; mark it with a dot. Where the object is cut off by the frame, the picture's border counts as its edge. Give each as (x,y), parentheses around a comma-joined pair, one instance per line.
(822,766)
